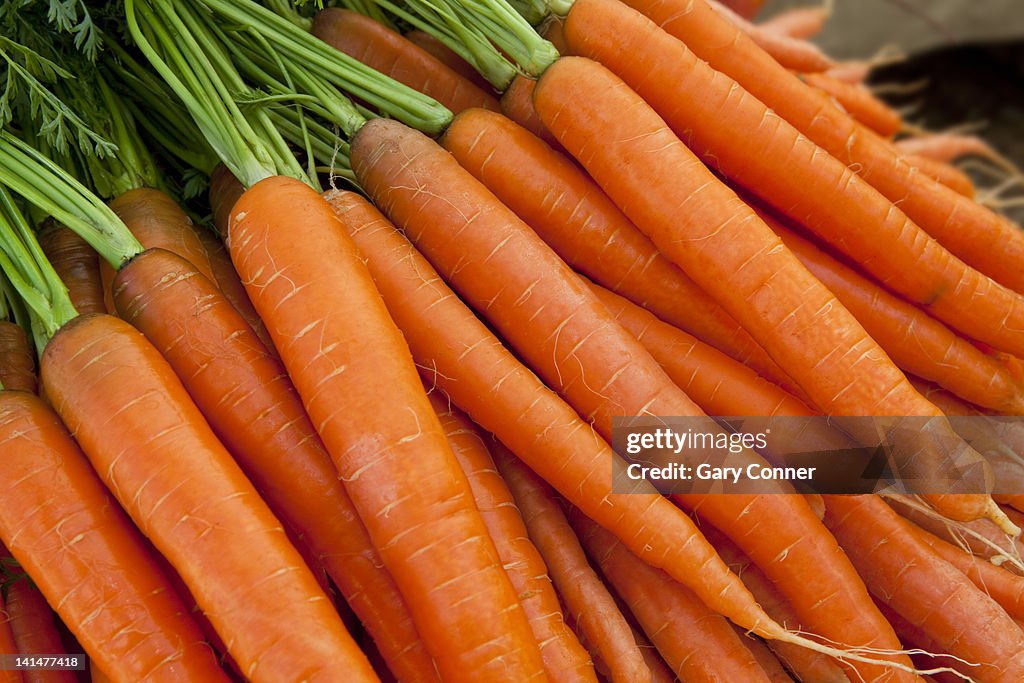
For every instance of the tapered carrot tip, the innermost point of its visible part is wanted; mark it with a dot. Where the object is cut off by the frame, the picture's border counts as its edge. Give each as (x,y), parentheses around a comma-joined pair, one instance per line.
(996,514)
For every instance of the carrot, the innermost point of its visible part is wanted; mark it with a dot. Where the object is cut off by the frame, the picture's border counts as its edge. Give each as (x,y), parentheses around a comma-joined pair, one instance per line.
(564,658)
(852,71)
(78,266)
(379,47)
(155,451)
(704,227)
(469,364)
(928,592)
(592,608)
(660,673)
(352,369)
(156,221)
(948,147)
(696,643)
(859,102)
(717,383)
(224,192)
(17,365)
(31,621)
(127,617)
(764,657)
(448,57)
(798,22)
(806,665)
(744,8)
(927,654)
(817,190)
(1005,588)
(517,105)
(950,176)
(245,394)
(225,189)
(916,342)
(978,236)
(792,53)
(588,231)
(981,536)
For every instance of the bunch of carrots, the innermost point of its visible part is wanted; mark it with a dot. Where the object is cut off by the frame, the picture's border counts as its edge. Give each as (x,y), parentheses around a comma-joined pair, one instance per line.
(314,323)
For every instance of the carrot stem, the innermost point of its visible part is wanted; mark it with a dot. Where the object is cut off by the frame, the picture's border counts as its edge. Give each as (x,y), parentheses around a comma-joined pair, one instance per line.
(44,184)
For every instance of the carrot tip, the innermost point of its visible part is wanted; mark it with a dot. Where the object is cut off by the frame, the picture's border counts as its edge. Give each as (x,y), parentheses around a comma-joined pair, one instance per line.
(995,513)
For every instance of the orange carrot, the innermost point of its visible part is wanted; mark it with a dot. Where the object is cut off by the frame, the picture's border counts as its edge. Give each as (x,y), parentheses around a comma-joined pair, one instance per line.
(517,105)
(226,280)
(696,643)
(950,176)
(588,231)
(78,266)
(353,371)
(859,102)
(717,383)
(156,453)
(245,394)
(806,665)
(224,192)
(816,189)
(17,365)
(31,621)
(1005,588)
(792,53)
(798,22)
(948,147)
(448,57)
(593,609)
(388,52)
(744,8)
(127,617)
(470,365)
(978,236)
(764,657)
(851,71)
(905,574)
(564,658)
(916,342)
(705,228)
(156,220)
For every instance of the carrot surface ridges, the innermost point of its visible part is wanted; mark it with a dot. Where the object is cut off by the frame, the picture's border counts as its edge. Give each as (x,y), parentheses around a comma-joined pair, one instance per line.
(916,342)
(399,169)
(354,373)
(389,52)
(983,239)
(564,657)
(841,205)
(252,406)
(924,589)
(156,453)
(596,616)
(697,643)
(578,221)
(127,617)
(483,378)
(717,239)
